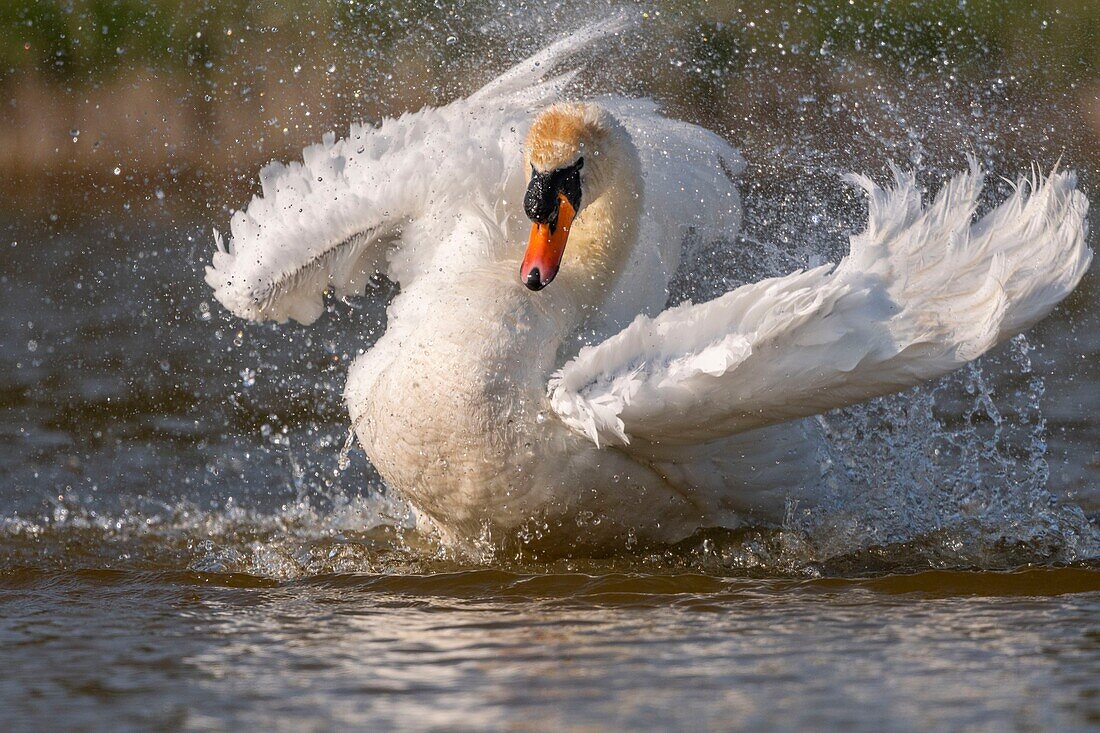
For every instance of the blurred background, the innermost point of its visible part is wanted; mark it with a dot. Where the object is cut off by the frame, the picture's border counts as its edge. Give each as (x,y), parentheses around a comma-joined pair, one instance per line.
(129,401)
(175,103)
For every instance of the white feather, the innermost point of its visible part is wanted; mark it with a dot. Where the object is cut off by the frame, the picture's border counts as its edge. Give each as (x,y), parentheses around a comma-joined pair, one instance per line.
(325,222)
(924,290)
(449,403)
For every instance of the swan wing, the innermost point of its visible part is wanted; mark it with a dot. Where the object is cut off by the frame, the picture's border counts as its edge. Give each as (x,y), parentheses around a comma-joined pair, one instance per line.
(336,217)
(924,289)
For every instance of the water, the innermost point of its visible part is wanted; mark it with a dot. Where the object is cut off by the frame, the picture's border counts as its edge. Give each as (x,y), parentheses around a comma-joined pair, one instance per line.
(180,549)
(493,649)
(183,543)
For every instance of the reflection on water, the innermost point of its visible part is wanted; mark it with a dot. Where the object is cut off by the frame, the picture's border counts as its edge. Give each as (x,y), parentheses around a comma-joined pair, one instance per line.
(488,649)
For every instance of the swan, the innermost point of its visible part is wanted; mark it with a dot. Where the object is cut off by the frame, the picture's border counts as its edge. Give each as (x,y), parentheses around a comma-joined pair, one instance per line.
(531,384)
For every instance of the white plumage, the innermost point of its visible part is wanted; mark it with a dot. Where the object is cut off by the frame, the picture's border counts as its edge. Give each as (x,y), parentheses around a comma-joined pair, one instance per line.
(923,291)
(494,409)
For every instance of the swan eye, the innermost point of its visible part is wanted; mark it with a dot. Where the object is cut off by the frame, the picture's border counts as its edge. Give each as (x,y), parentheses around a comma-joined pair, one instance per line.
(541,198)
(540,203)
(570,184)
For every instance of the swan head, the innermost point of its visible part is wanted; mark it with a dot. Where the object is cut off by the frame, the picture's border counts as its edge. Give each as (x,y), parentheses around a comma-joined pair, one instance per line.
(575,152)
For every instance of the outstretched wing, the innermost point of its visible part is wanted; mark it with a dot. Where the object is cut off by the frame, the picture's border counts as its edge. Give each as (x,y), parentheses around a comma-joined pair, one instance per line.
(327,221)
(923,291)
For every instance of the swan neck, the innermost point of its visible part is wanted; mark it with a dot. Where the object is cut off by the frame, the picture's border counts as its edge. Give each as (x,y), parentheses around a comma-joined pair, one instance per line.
(606,231)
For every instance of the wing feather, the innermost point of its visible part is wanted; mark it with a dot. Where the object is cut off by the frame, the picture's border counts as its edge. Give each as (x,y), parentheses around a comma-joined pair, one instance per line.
(923,291)
(334,218)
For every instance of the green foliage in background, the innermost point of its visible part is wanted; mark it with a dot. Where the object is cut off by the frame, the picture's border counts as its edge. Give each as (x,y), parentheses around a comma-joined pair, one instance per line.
(92,39)
(88,40)
(912,32)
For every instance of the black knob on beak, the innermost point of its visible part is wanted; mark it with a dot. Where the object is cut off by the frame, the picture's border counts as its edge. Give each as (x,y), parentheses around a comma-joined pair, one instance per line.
(540,203)
(541,200)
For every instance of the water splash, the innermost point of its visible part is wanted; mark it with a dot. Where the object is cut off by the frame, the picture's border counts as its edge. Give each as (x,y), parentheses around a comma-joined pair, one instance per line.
(955,474)
(949,475)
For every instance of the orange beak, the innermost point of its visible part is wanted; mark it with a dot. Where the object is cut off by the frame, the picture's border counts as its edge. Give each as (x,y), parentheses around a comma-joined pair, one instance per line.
(546,248)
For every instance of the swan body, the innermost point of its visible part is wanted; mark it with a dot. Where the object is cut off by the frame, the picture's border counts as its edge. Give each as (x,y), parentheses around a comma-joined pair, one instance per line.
(545,393)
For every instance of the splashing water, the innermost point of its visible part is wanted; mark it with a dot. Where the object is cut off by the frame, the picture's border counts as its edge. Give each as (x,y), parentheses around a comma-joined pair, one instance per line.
(952,474)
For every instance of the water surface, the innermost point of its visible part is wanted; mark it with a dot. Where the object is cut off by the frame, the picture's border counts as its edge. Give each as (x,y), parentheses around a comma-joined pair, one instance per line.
(492,649)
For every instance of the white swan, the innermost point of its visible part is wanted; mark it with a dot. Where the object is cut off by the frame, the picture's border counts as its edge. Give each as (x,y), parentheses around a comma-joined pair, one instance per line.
(576,414)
